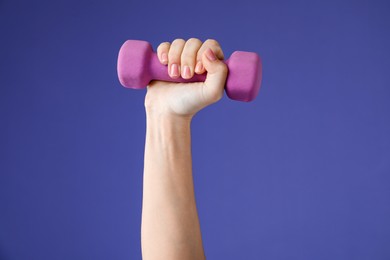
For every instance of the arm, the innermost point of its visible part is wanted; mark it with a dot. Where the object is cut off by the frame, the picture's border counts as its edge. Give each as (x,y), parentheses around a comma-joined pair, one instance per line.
(170,226)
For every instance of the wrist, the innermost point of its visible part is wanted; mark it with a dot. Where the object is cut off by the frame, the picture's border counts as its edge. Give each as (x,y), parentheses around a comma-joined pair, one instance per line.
(168,135)
(167,124)
(167,118)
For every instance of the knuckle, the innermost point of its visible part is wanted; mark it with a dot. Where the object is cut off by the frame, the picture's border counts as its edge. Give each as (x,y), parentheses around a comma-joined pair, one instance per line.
(187,58)
(223,68)
(163,46)
(178,41)
(193,41)
(175,50)
(173,57)
(211,42)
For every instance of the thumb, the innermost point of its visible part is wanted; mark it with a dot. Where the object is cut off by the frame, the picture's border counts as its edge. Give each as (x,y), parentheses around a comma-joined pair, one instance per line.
(216,76)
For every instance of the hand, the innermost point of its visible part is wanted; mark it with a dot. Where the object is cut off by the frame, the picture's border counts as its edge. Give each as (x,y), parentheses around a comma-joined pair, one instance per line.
(184,58)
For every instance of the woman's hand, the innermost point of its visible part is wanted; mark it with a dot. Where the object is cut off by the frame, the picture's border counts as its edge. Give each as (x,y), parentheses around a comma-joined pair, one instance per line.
(170,224)
(183,59)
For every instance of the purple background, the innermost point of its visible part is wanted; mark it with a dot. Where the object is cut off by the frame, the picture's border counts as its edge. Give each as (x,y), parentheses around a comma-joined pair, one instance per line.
(303,172)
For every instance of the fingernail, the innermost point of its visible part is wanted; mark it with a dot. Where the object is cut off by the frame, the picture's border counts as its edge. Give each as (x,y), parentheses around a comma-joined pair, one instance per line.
(210,55)
(164,57)
(198,67)
(175,70)
(186,72)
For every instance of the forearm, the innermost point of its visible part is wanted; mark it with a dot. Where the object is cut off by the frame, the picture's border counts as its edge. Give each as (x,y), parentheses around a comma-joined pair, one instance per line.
(170,225)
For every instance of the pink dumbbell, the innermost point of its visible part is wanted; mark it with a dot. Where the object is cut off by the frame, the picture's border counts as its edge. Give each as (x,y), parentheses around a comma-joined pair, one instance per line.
(138,65)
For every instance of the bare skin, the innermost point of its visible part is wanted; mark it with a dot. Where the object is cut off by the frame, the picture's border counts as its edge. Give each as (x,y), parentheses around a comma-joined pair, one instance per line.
(170,226)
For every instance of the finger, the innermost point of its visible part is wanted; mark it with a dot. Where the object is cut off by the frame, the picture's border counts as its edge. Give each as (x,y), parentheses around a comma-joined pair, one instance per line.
(174,57)
(188,57)
(216,76)
(215,47)
(162,52)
